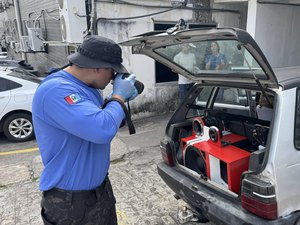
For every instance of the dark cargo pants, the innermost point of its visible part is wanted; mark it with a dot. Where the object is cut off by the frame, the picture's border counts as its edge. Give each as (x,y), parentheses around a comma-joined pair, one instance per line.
(95,207)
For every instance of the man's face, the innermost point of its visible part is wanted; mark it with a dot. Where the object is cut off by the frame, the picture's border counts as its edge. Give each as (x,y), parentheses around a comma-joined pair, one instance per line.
(102,77)
(185,48)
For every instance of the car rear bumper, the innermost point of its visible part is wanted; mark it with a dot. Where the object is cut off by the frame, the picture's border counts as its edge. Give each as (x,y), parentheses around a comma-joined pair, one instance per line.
(214,206)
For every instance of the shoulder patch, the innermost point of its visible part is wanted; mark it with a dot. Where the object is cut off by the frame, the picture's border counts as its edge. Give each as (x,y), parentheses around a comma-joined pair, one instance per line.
(72,98)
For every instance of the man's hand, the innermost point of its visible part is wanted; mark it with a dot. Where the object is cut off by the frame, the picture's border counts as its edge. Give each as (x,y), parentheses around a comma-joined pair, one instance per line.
(123,87)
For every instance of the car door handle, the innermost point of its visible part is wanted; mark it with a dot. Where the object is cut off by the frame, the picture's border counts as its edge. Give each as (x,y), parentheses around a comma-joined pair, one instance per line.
(1,97)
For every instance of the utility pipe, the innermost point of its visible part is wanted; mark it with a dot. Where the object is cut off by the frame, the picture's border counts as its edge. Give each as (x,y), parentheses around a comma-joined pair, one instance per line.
(92,16)
(19,25)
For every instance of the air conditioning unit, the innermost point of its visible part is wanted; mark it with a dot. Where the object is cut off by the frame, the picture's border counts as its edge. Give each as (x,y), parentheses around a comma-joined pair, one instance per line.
(73,20)
(36,39)
(25,44)
(18,47)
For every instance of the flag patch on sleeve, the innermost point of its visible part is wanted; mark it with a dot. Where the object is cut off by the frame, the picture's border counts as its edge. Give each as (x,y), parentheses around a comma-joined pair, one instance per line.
(72,98)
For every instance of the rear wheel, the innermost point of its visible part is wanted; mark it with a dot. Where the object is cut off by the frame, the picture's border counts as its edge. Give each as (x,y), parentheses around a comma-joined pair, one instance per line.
(18,127)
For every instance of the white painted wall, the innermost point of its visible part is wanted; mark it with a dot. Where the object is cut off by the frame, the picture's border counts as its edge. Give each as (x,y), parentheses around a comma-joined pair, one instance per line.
(278,32)
(252,18)
(225,19)
(274,27)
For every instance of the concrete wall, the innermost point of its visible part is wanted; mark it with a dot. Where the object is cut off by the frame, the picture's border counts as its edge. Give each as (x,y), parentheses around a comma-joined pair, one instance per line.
(274,27)
(2,19)
(157,97)
(9,25)
(35,10)
(51,32)
(226,19)
(277,32)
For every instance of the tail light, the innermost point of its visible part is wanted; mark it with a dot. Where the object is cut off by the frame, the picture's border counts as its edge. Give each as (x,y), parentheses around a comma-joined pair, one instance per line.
(166,152)
(259,197)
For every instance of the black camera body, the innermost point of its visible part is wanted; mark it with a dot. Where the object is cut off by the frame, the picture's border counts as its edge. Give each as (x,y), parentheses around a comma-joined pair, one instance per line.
(138,84)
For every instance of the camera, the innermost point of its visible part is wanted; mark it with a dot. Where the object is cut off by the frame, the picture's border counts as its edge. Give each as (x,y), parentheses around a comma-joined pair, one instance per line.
(138,84)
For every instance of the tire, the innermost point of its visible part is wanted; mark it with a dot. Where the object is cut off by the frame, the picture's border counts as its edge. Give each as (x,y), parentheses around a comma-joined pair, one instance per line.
(18,127)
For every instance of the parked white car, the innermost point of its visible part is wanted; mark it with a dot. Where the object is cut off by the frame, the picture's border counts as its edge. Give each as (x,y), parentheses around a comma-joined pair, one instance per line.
(17,88)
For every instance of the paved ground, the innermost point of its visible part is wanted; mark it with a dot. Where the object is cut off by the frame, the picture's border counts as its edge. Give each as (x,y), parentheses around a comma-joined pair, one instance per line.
(142,197)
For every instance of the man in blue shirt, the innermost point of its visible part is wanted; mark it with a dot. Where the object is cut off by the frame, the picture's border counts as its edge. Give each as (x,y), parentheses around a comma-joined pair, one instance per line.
(74,133)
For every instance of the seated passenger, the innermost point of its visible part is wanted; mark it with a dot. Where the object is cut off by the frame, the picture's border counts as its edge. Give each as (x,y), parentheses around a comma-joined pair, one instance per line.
(264,109)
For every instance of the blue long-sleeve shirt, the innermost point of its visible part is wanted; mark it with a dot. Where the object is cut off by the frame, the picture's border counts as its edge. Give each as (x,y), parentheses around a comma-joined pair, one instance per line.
(73,132)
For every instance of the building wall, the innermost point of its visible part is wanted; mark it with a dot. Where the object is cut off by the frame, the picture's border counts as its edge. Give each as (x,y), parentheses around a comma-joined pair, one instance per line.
(2,18)
(157,97)
(235,19)
(277,32)
(40,14)
(9,25)
(274,27)
(31,9)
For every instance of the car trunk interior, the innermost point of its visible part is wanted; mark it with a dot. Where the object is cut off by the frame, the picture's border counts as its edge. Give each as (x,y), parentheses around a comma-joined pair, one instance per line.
(221,140)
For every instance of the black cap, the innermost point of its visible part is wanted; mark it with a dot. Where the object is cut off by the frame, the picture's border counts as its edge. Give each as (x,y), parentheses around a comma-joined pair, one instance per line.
(98,52)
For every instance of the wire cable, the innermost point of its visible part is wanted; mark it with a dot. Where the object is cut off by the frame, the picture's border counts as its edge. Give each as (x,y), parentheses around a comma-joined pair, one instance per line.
(277,3)
(52,17)
(171,7)
(137,17)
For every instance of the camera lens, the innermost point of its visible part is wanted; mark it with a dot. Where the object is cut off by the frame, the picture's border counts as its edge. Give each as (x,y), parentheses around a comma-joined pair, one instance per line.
(139,86)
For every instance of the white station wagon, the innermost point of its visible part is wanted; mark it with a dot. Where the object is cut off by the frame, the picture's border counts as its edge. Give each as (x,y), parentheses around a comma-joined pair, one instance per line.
(232,148)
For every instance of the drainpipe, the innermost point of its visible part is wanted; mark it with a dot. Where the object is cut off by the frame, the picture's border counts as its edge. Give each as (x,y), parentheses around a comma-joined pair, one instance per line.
(19,25)
(92,16)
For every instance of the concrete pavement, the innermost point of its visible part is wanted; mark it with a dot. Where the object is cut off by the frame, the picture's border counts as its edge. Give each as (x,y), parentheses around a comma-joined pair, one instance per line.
(142,197)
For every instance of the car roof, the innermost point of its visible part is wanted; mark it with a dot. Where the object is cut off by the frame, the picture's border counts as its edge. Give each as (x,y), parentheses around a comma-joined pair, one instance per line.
(288,77)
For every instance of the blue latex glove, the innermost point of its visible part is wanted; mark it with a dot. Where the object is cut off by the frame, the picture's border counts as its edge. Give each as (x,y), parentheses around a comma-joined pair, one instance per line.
(125,87)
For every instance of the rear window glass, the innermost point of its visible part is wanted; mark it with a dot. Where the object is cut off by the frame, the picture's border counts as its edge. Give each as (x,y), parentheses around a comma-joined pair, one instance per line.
(200,103)
(25,75)
(213,57)
(235,96)
(235,101)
